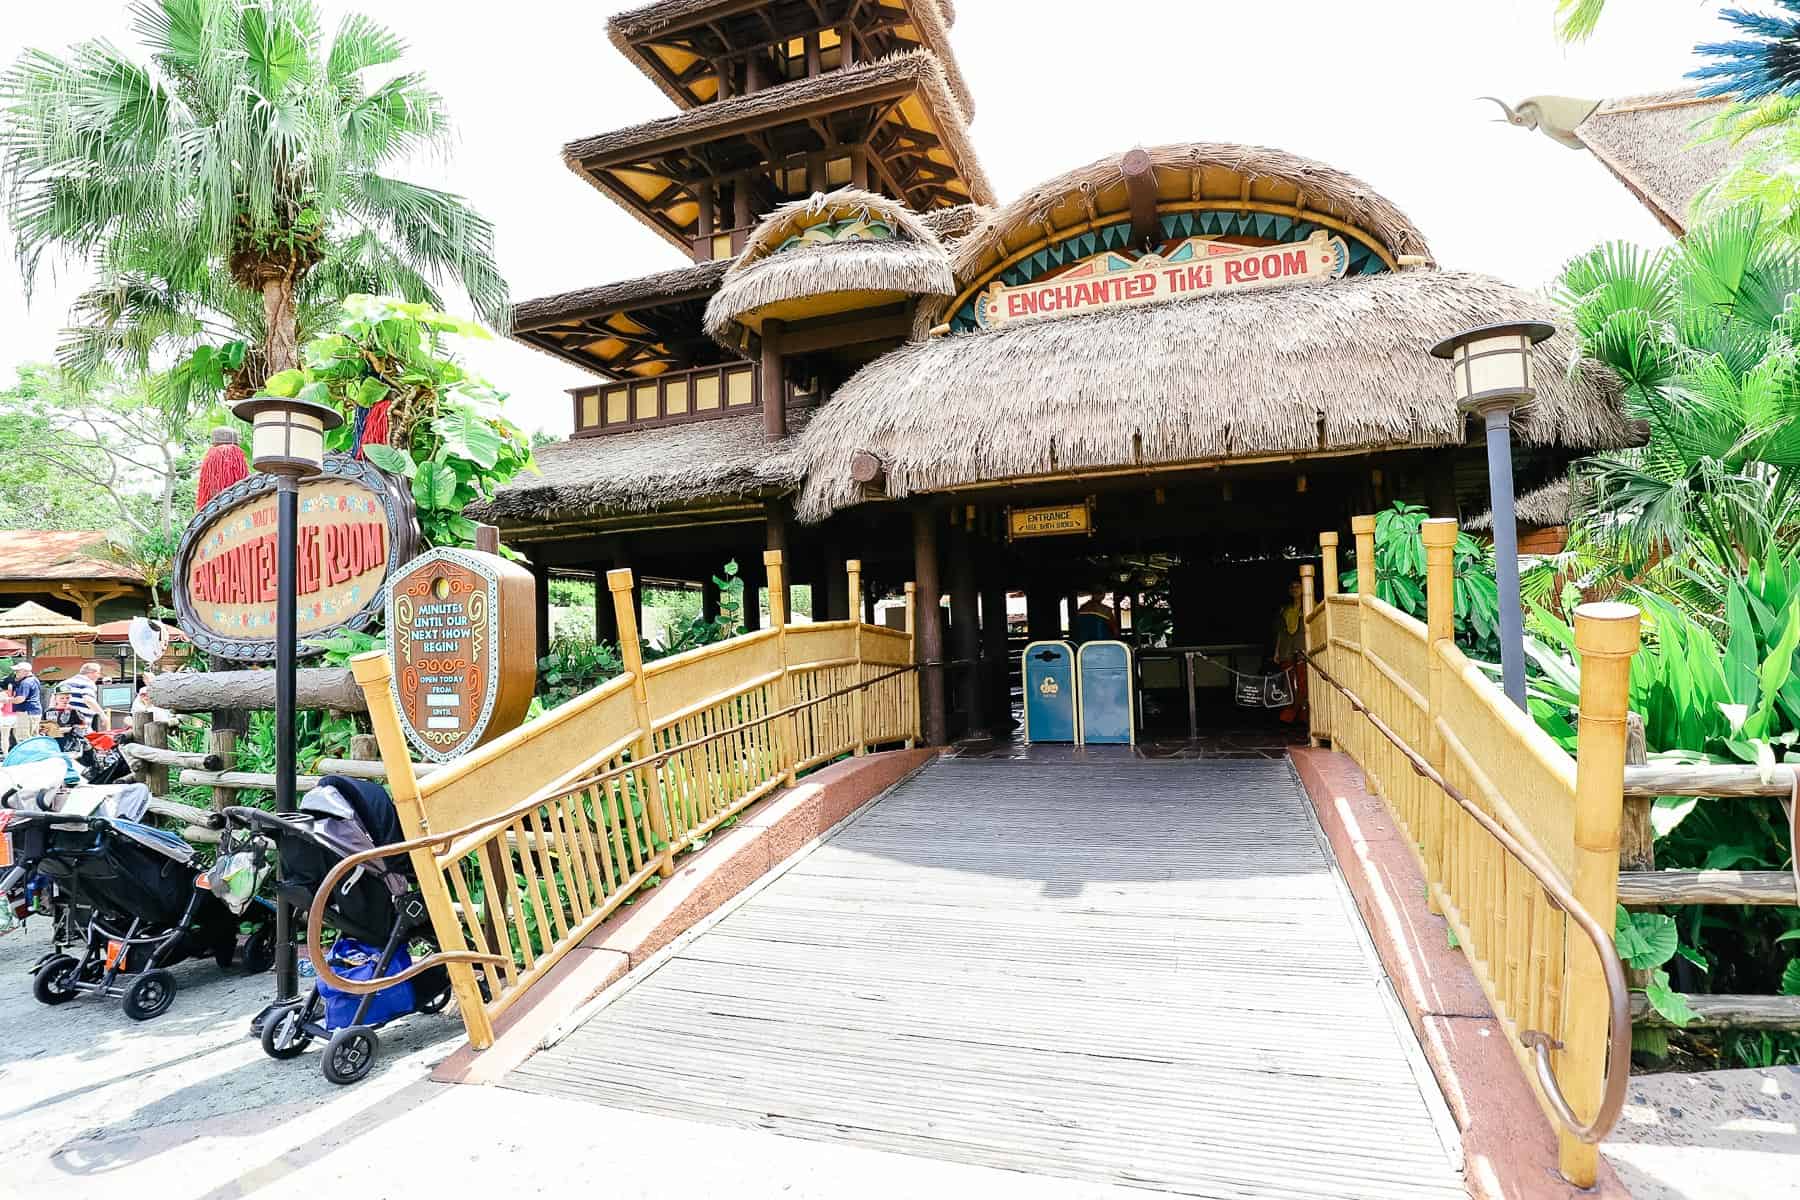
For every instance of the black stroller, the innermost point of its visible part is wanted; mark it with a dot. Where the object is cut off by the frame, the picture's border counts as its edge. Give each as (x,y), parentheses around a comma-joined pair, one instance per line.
(146,907)
(378,904)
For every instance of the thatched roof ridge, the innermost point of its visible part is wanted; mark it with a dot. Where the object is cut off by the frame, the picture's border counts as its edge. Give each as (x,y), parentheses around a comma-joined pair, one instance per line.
(932,18)
(914,263)
(725,458)
(920,67)
(1325,187)
(1301,370)
(614,297)
(953,224)
(1651,144)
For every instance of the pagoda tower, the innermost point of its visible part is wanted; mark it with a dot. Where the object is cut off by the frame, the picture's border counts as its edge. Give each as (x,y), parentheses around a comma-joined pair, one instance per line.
(779,100)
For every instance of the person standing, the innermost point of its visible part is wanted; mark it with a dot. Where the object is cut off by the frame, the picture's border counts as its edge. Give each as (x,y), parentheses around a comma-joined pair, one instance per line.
(27,702)
(84,695)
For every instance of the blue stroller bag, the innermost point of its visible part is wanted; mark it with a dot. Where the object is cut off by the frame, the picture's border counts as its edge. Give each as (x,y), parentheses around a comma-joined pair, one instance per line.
(359,960)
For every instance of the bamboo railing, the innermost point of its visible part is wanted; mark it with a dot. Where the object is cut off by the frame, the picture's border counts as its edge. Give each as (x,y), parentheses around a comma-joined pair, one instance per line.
(1517,841)
(525,846)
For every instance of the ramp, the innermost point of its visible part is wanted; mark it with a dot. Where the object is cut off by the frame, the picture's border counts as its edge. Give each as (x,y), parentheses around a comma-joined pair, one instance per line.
(1141,974)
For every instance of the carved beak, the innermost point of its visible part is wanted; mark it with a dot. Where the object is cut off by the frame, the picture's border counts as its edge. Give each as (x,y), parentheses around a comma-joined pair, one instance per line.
(1511,118)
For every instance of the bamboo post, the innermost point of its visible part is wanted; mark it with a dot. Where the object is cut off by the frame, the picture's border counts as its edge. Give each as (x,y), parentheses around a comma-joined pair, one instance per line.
(374,673)
(1439,536)
(1325,724)
(631,654)
(1328,564)
(788,731)
(1364,529)
(853,568)
(1306,590)
(1606,636)
(912,655)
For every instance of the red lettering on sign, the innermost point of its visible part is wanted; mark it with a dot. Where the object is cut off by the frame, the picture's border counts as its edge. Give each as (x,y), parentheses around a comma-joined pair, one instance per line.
(1296,262)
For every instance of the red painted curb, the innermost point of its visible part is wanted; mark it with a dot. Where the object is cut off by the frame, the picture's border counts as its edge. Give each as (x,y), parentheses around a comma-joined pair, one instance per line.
(767,834)
(1508,1144)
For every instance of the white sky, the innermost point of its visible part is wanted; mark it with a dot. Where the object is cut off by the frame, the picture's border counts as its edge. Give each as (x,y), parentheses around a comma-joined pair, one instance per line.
(1381,88)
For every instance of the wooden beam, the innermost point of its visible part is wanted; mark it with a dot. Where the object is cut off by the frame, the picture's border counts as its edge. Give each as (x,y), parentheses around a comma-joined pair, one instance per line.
(1658,779)
(1140,186)
(774,389)
(1727,1012)
(1643,889)
(814,338)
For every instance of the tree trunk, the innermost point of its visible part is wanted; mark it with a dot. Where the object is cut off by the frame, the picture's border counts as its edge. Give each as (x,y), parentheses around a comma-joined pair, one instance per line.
(282,332)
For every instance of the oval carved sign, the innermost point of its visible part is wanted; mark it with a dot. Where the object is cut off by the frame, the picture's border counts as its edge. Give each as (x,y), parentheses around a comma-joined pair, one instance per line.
(356,528)
(462,634)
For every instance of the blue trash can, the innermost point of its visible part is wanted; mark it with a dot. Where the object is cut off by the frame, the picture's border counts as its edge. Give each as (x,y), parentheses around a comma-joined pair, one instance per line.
(1049,675)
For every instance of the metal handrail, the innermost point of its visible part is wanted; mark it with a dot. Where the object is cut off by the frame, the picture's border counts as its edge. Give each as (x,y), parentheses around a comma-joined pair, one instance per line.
(1618,992)
(434,841)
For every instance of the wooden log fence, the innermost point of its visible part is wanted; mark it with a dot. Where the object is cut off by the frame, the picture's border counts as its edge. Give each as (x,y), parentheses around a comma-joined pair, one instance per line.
(523,847)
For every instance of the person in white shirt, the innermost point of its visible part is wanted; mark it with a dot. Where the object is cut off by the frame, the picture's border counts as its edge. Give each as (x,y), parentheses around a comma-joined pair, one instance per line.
(84,695)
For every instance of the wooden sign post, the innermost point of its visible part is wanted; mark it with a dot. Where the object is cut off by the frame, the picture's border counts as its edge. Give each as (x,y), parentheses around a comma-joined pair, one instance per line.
(462,634)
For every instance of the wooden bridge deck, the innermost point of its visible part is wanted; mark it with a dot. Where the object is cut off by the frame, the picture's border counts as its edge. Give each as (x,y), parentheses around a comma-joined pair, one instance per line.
(1139,975)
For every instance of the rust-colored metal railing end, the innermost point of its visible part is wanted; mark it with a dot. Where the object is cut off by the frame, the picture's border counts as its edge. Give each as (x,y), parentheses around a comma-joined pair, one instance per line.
(1618,1061)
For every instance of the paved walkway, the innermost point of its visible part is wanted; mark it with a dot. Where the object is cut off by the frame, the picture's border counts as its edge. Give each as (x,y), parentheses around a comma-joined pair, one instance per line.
(1131,975)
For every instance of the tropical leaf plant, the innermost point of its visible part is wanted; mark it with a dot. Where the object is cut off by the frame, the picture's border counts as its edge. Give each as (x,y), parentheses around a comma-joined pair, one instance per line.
(1400,578)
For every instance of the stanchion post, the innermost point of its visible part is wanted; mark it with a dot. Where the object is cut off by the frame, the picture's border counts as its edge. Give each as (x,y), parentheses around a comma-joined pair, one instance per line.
(1439,536)
(1606,637)
(853,568)
(789,726)
(631,654)
(912,656)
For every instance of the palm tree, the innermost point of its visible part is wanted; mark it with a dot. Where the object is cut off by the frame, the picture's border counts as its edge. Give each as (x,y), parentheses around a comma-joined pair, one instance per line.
(236,179)
(1702,337)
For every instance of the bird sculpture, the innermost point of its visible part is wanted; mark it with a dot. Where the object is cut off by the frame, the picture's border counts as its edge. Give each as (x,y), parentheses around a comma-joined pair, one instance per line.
(1556,117)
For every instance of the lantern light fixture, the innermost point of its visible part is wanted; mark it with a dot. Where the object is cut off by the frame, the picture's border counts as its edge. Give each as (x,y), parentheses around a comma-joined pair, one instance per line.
(287,436)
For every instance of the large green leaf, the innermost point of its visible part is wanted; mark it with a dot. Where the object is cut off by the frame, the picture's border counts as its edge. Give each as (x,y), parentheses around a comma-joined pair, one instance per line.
(394,462)
(1670,1004)
(286,384)
(1790,978)
(1644,940)
(469,437)
(434,487)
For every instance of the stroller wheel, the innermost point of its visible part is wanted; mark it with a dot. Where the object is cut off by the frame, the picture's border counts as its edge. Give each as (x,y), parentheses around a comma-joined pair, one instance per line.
(150,995)
(54,982)
(350,1054)
(437,1003)
(259,949)
(284,1033)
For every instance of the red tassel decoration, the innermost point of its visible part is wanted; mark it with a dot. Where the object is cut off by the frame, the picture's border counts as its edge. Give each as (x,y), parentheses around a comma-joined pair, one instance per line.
(375,427)
(223,465)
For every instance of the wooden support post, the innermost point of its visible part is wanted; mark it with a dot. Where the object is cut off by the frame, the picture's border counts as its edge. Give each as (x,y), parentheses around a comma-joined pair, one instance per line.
(853,590)
(814,65)
(788,730)
(993,647)
(928,618)
(606,625)
(631,654)
(775,537)
(1637,837)
(540,578)
(756,73)
(155,776)
(704,224)
(221,740)
(709,599)
(912,655)
(742,214)
(838,604)
(1364,529)
(750,570)
(1328,563)
(1439,536)
(859,166)
(1307,595)
(847,39)
(1140,188)
(1606,637)
(965,630)
(374,673)
(774,383)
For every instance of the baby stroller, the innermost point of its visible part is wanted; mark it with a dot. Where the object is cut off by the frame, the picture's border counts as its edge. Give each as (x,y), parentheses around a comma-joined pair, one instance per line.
(376,909)
(142,902)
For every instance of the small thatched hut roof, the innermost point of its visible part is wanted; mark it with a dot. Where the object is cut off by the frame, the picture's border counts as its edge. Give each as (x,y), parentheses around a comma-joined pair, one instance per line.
(1302,370)
(881,252)
(1652,144)
(723,459)
(1544,507)
(953,224)
(1184,174)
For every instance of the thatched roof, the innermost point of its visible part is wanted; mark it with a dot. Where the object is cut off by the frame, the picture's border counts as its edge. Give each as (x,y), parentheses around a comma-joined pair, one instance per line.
(953,224)
(1544,507)
(874,84)
(1300,370)
(772,272)
(725,458)
(31,619)
(28,555)
(617,297)
(1185,173)
(931,19)
(1651,143)
(603,328)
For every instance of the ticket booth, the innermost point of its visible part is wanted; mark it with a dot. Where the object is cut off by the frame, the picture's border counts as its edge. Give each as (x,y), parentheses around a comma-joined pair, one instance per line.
(1103,688)
(1050,693)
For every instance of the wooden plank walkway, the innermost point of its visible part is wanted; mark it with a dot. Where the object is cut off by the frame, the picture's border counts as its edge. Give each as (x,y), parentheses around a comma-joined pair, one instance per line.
(1137,974)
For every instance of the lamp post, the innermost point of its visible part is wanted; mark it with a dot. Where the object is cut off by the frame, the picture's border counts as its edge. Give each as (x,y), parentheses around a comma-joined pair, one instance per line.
(287,440)
(1491,376)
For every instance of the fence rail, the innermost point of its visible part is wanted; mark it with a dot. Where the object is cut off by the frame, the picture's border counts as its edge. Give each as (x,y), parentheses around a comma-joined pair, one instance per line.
(527,845)
(1517,841)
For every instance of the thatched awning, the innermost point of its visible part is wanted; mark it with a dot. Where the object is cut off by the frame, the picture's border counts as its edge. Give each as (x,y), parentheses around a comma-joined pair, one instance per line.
(953,224)
(713,29)
(603,328)
(778,271)
(1544,507)
(676,466)
(1294,371)
(32,619)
